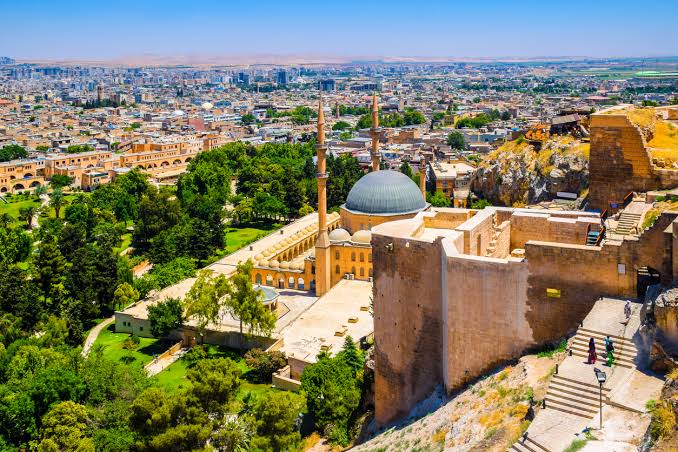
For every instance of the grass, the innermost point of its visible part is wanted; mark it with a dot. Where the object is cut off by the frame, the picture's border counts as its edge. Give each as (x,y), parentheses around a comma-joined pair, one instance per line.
(126,241)
(242,235)
(576,445)
(112,347)
(17,202)
(174,376)
(550,350)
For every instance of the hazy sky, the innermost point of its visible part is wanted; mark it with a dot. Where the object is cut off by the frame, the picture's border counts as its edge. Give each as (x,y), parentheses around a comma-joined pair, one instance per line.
(33,29)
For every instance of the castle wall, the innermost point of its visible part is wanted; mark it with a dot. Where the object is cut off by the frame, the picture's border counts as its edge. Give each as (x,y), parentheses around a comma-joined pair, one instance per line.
(407,323)
(526,226)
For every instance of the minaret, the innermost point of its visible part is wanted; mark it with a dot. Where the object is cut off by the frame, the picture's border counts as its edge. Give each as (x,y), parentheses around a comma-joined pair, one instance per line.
(376,158)
(322,244)
(100,93)
(422,176)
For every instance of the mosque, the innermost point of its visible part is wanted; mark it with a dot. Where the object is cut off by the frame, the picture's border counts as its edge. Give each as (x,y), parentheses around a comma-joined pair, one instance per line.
(317,258)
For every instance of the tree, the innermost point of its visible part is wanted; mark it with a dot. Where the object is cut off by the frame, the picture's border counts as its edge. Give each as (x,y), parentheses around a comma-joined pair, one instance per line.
(49,268)
(263,364)
(246,303)
(125,294)
(455,140)
(12,152)
(247,119)
(438,199)
(165,316)
(57,201)
(214,382)
(412,117)
(406,169)
(352,356)
(204,299)
(275,419)
(26,214)
(60,180)
(64,429)
(341,125)
(332,394)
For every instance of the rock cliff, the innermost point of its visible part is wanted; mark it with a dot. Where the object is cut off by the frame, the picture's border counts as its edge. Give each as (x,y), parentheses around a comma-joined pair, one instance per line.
(518,174)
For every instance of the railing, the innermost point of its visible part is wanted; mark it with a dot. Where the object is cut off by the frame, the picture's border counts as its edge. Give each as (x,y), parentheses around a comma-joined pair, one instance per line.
(603,216)
(627,199)
(601,236)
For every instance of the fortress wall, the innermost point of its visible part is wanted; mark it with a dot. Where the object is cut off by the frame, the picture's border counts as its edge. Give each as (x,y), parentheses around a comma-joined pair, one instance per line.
(485,314)
(407,323)
(478,232)
(619,161)
(447,218)
(545,228)
(502,247)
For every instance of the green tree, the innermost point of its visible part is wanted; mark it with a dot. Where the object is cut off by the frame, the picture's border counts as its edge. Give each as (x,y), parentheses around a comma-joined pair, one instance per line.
(125,294)
(438,199)
(49,268)
(248,119)
(406,169)
(165,316)
(26,214)
(204,299)
(214,382)
(65,428)
(60,180)
(57,201)
(352,356)
(246,303)
(12,152)
(455,140)
(275,417)
(412,117)
(341,125)
(263,364)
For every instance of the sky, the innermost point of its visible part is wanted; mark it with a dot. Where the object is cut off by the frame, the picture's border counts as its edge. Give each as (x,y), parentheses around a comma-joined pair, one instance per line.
(110,29)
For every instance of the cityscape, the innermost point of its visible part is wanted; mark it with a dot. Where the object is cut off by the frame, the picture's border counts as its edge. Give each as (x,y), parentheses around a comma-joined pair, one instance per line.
(241,239)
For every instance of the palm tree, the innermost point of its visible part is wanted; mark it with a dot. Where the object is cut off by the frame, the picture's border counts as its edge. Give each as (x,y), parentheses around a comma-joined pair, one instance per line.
(6,219)
(57,201)
(26,214)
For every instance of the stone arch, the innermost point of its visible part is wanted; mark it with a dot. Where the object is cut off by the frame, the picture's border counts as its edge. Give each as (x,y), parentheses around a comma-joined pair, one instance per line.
(35,183)
(353,270)
(257,278)
(188,159)
(28,175)
(362,272)
(300,283)
(269,280)
(290,282)
(337,269)
(142,167)
(12,177)
(164,163)
(176,162)
(3,190)
(19,187)
(90,166)
(352,256)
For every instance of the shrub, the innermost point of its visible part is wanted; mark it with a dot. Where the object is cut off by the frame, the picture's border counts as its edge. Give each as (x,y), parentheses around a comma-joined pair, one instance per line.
(263,364)
(663,420)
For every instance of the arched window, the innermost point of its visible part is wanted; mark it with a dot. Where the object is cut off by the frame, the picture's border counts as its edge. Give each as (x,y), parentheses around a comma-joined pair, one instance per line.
(369,257)
(362,271)
(362,257)
(353,270)
(257,278)
(336,255)
(337,269)
(353,256)
(370,273)
(269,280)
(300,283)
(290,282)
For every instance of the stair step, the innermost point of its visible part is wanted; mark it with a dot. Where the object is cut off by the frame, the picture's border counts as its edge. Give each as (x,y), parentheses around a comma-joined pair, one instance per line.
(584,394)
(570,381)
(554,393)
(620,351)
(570,405)
(586,331)
(617,361)
(565,409)
(536,444)
(521,447)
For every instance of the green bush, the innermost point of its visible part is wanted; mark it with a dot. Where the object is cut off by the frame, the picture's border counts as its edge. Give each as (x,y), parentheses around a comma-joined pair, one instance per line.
(263,364)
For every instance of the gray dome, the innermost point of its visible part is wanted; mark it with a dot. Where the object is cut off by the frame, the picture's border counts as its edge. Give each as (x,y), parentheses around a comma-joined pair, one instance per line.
(385,193)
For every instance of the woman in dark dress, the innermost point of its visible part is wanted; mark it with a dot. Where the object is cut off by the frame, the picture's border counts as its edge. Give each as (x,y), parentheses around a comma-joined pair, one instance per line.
(592,351)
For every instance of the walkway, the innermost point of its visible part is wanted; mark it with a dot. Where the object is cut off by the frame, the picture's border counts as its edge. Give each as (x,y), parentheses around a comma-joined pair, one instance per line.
(161,363)
(572,400)
(94,333)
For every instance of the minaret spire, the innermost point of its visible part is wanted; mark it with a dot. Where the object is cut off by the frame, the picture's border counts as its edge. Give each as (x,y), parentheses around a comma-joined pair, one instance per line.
(322,244)
(374,131)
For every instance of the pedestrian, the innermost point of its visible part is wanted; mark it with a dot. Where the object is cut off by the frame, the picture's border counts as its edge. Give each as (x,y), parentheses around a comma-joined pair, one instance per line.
(610,358)
(609,345)
(627,310)
(592,352)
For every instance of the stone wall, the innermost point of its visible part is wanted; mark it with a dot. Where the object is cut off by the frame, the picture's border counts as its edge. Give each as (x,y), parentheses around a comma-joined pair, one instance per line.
(620,162)
(407,323)
(526,226)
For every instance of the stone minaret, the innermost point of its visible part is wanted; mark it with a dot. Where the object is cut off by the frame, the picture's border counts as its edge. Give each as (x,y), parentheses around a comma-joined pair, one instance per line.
(375,134)
(422,177)
(100,93)
(322,244)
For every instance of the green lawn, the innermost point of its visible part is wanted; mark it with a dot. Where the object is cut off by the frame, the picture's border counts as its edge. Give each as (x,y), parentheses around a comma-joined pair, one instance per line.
(141,355)
(125,243)
(174,376)
(16,203)
(52,214)
(239,236)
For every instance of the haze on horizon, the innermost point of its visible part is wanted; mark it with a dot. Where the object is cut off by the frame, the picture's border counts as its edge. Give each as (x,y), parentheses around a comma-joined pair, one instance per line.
(85,30)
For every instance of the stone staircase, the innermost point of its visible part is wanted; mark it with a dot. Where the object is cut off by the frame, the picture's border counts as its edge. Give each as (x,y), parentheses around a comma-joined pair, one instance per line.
(573,397)
(625,351)
(592,238)
(627,222)
(528,445)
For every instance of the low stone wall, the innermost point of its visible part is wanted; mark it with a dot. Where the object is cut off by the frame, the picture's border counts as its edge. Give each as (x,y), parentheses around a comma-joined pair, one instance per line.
(282,380)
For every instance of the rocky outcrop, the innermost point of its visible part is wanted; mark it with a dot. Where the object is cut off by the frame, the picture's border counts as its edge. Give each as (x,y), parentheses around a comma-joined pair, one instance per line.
(661,308)
(517,173)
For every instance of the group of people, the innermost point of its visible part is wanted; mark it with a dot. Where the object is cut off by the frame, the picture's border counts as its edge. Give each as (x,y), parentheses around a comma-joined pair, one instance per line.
(609,351)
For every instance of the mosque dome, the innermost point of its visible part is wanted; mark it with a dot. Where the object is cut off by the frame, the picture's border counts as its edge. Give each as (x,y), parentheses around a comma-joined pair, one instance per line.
(340,235)
(385,193)
(363,236)
(178,113)
(207,106)
(284,265)
(273,263)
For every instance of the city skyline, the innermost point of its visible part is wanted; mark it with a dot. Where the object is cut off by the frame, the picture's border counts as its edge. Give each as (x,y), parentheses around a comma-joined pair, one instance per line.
(154,32)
